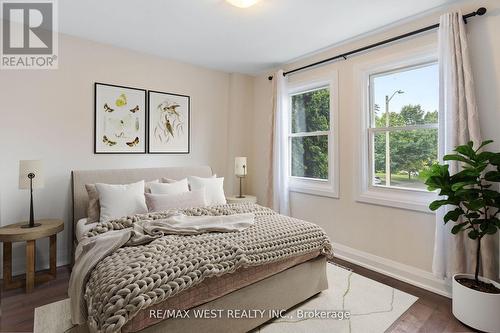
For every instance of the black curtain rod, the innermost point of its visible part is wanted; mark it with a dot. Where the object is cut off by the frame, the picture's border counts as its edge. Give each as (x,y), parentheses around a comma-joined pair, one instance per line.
(481,11)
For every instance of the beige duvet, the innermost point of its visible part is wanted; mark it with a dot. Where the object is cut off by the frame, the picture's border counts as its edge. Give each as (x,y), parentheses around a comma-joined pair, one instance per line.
(120,277)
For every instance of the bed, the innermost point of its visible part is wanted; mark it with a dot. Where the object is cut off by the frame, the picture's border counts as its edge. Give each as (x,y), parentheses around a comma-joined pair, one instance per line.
(275,286)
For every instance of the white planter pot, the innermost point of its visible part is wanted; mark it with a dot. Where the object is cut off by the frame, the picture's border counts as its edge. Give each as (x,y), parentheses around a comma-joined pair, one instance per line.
(474,308)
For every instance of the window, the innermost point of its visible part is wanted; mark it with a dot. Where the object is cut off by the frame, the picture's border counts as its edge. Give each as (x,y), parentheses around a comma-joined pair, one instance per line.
(403,126)
(312,138)
(310,116)
(401,132)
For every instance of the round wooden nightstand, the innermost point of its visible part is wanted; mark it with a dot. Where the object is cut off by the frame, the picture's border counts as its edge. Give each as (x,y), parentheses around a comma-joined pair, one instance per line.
(247,198)
(14,233)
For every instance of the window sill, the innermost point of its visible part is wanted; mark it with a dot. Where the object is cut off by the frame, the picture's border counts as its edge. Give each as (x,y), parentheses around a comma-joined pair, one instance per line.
(398,198)
(315,188)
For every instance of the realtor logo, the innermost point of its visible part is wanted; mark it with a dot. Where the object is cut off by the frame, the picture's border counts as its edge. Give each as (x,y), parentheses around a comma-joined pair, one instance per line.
(28,37)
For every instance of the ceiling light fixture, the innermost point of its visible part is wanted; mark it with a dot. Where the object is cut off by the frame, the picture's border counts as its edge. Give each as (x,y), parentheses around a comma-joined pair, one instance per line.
(243,3)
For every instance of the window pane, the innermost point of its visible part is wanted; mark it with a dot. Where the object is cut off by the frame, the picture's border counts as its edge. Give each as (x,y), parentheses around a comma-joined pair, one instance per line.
(411,153)
(378,159)
(410,95)
(310,157)
(311,111)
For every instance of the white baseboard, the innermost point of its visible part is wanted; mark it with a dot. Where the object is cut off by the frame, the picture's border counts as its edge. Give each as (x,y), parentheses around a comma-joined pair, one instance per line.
(409,274)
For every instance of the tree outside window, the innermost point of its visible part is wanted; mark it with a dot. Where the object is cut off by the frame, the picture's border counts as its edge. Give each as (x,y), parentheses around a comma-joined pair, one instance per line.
(309,135)
(412,127)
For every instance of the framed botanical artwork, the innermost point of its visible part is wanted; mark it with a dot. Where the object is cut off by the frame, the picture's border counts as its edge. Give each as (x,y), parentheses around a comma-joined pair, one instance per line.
(169,123)
(120,119)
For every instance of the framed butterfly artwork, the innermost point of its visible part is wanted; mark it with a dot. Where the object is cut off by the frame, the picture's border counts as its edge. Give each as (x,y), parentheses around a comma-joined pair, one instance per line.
(119,120)
(168,123)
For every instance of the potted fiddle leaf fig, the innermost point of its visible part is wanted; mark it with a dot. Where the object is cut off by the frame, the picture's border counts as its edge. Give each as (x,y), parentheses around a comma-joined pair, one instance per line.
(473,202)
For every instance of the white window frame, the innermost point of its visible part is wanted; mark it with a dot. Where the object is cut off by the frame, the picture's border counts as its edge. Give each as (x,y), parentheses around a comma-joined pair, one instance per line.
(367,192)
(319,187)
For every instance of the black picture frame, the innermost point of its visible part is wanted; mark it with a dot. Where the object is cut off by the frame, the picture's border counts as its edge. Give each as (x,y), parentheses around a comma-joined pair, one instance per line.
(145,119)
(149,119)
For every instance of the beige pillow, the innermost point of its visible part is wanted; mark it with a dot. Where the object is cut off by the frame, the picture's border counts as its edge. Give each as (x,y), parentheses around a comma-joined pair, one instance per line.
(170,180)
(162,202)
(94,207)
(180,186)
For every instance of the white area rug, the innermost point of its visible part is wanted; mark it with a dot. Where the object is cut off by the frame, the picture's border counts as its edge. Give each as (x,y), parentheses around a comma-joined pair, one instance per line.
(373,308)
(54,317)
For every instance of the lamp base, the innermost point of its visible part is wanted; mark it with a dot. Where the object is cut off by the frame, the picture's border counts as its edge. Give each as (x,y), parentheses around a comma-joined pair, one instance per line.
(28,226)
(240,196)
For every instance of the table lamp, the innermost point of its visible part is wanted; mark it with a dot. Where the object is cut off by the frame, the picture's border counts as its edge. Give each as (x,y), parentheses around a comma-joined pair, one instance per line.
(31,177)
(240,170)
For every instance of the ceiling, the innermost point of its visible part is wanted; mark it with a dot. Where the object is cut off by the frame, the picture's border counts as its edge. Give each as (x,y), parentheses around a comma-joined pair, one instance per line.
(214,34)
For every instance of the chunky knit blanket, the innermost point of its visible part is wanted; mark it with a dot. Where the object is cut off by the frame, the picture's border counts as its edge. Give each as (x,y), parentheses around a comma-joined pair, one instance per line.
(135,277)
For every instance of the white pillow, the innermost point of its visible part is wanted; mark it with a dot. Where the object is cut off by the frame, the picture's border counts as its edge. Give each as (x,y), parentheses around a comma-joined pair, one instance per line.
(214,189)
(180,186)
(121,200)
(93,208)
(161,202)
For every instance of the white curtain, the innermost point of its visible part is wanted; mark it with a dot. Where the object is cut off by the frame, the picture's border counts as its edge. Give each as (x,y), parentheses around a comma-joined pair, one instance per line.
(459,115)
(278,195)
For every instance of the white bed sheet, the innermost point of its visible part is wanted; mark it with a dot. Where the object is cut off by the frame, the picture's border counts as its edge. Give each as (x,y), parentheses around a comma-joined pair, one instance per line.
(82,228)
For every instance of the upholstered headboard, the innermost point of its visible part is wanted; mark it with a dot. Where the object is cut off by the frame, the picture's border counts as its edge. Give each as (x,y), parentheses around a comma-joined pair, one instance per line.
(123,176)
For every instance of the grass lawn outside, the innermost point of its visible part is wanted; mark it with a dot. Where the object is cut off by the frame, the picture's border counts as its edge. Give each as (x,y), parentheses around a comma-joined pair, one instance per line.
(401,180)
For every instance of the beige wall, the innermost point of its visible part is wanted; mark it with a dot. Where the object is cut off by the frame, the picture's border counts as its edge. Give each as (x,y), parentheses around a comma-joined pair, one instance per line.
(399,235)
(241,118)
(48,115)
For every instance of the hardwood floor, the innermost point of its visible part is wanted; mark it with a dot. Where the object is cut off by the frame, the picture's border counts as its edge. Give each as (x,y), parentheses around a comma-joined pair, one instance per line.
(430,314)
(18,308)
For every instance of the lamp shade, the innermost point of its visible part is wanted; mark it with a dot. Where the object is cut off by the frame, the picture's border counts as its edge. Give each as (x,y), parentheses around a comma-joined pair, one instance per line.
(240,166)
(31,166)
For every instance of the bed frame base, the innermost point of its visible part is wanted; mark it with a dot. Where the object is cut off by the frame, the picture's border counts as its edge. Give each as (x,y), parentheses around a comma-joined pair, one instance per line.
(278,292)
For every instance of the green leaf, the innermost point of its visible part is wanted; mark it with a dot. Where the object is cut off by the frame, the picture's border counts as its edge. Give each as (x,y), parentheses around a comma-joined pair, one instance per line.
(484,156)
(484,143)
(495,159)
(457,228)
(466,150)
(489,226)
(472,215)
(439,170)
(484,225)
(455,157)
(492,176)
(491,230)
(491,194)
(468,193)
(453,215)
(476,204)
(477,221)
(460,185)
(437,203)
(473,234)
(480,168)
(466,174)
(437,182)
